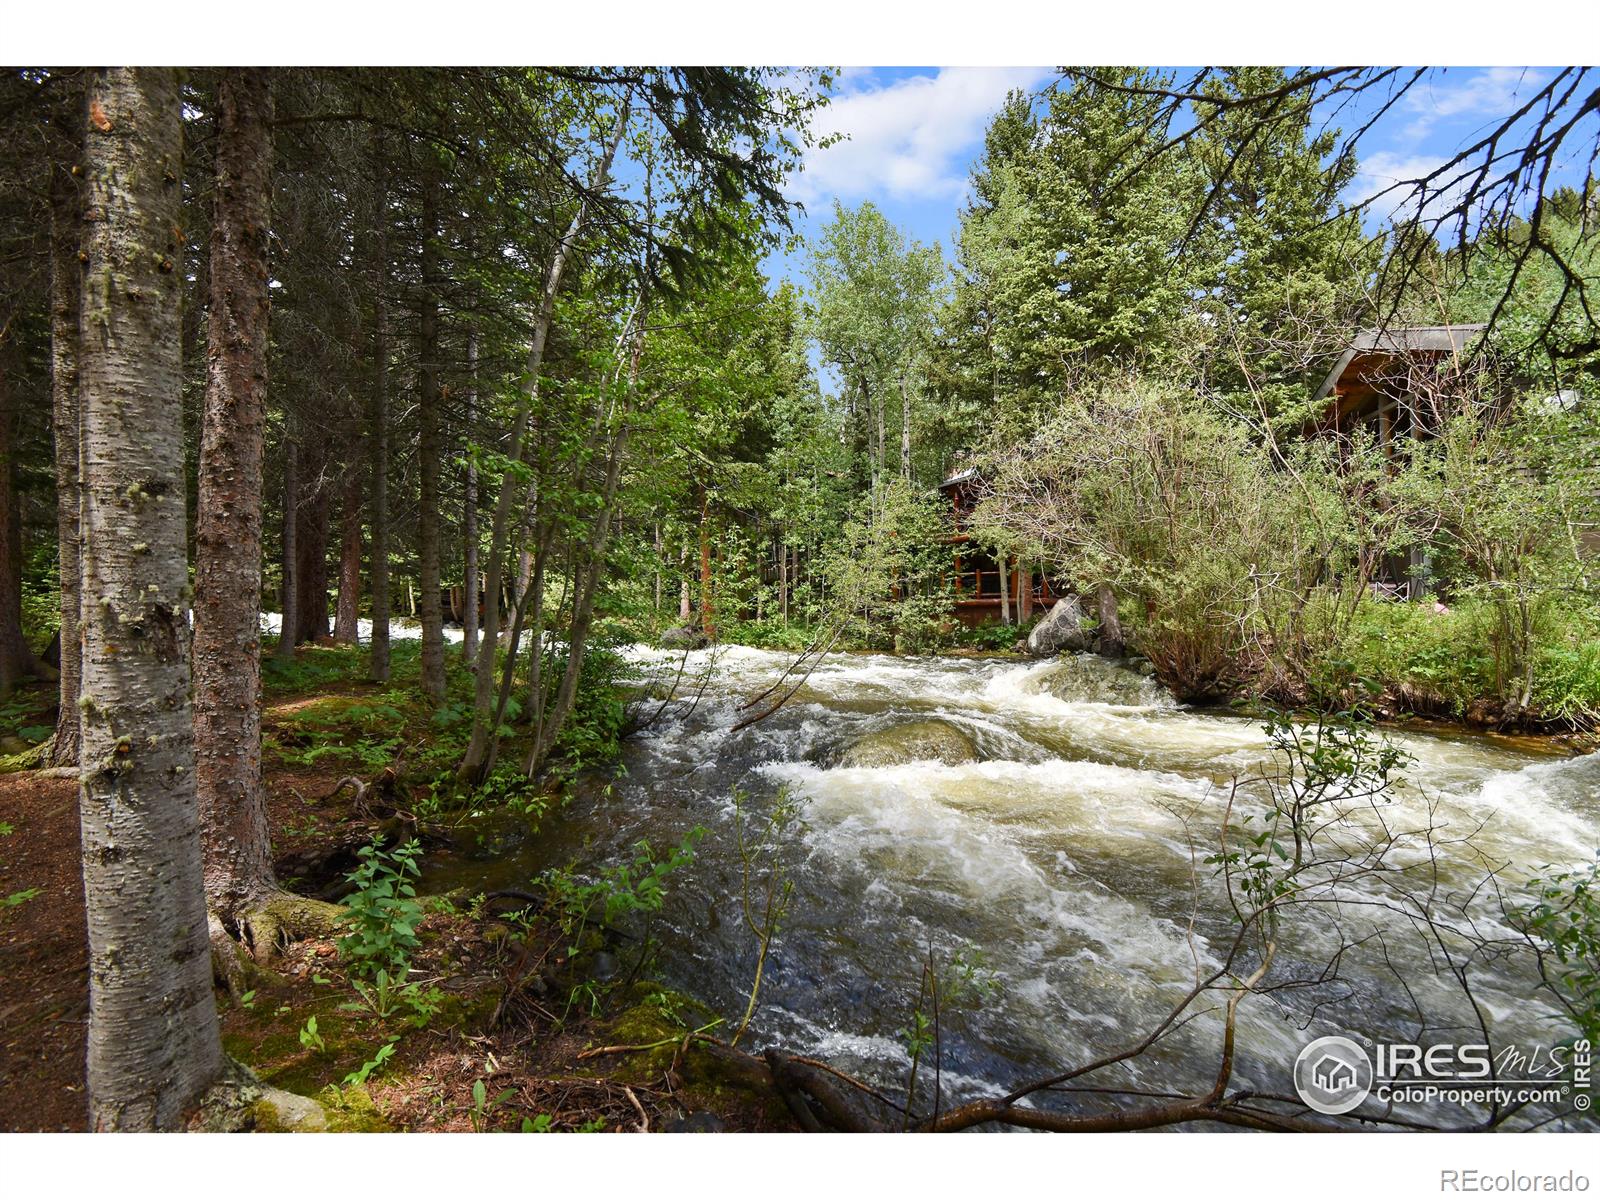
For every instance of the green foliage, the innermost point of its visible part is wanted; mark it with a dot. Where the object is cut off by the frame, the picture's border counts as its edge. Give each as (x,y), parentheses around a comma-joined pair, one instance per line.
(482,1106)
(1147,488)
(633,890)
(637,886)
(365,1071)
(1326,768)
(886,575)
(1563,921)
(382,913)
(592,734)
(991,635)
(310,1038)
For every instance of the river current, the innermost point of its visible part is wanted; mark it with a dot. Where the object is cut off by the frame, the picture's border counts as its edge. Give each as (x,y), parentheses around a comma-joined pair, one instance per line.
(1067,860)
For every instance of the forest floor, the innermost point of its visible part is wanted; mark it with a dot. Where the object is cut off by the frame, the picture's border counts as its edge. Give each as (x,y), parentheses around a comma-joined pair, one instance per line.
(511,1034)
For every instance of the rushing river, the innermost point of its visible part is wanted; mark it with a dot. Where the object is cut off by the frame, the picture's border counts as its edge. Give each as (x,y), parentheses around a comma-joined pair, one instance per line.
(1068,856)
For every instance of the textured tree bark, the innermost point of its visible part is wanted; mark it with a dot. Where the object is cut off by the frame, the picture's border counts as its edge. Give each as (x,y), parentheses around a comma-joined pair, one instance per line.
(227,604)
(708,625)
(1111,641)
(66,214)
(311,544)
(905,429)
(346,627)
(379,422)
(469,523)
(685,603)
(428,447)
(154,1046)
(15,660)
(289,601)
(1005,589)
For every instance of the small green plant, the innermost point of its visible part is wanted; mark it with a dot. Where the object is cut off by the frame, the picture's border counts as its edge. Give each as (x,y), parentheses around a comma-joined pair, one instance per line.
(310,1038)
(482,1106)
(384,997)
(364,1072)
(635,888)
(765,886)
(543,1123)
(961,981)
(1563,923)
(382,913)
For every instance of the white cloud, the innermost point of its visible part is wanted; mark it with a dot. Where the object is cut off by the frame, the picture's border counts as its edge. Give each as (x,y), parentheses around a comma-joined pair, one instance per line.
(1388,178)
(1492,92)
(912,138)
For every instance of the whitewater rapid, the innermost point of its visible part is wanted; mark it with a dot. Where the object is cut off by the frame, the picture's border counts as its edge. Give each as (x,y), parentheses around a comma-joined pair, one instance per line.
(1068,857)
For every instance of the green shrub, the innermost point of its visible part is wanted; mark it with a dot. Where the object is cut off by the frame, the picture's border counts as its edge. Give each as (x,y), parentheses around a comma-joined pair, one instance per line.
(383,913)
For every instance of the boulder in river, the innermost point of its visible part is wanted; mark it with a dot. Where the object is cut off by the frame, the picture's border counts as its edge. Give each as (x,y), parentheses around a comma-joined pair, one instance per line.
(683,637)
(1061,632)
(915,741)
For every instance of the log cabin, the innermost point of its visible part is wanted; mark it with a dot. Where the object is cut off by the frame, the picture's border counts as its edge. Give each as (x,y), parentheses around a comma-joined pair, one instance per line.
(984,592)
(1396,385)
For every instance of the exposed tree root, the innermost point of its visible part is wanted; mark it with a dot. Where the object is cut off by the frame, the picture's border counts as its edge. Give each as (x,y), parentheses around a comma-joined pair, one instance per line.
(244,946)
(240,1103)
(33,759)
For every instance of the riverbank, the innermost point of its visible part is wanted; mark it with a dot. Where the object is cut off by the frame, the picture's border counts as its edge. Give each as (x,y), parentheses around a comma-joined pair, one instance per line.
(507,1017)
(1057,866)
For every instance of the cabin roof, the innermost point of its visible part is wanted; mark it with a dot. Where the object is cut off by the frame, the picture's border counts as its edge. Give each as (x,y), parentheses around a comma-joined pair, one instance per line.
(959,478)
(1408,339)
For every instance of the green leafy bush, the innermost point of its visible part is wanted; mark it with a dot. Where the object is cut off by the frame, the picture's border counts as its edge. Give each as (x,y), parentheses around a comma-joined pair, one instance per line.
(382,913)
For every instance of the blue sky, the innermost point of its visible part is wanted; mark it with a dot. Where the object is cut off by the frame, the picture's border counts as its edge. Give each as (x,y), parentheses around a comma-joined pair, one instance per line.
(914,132)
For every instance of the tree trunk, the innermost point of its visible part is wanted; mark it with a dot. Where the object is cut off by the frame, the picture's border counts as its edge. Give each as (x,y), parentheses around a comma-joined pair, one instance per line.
(66,213)
(311,547)
(154,1046)
(708,624)
(15,660)
(685,601)
(346,620)
(783,580)
(905,429)
(428,447)
(1024,590)
(655,607)
(1005,590)
(379,423)
(289,601)
(469,523)
(483,730)
(1111,641)
(586,570)
(227,603)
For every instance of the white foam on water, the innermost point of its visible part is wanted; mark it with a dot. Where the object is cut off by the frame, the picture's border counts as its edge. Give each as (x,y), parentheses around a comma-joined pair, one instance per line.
(1072,856)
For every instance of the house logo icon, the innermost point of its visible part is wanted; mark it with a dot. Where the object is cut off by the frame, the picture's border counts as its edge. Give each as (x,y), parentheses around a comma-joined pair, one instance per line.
(1333,1075)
